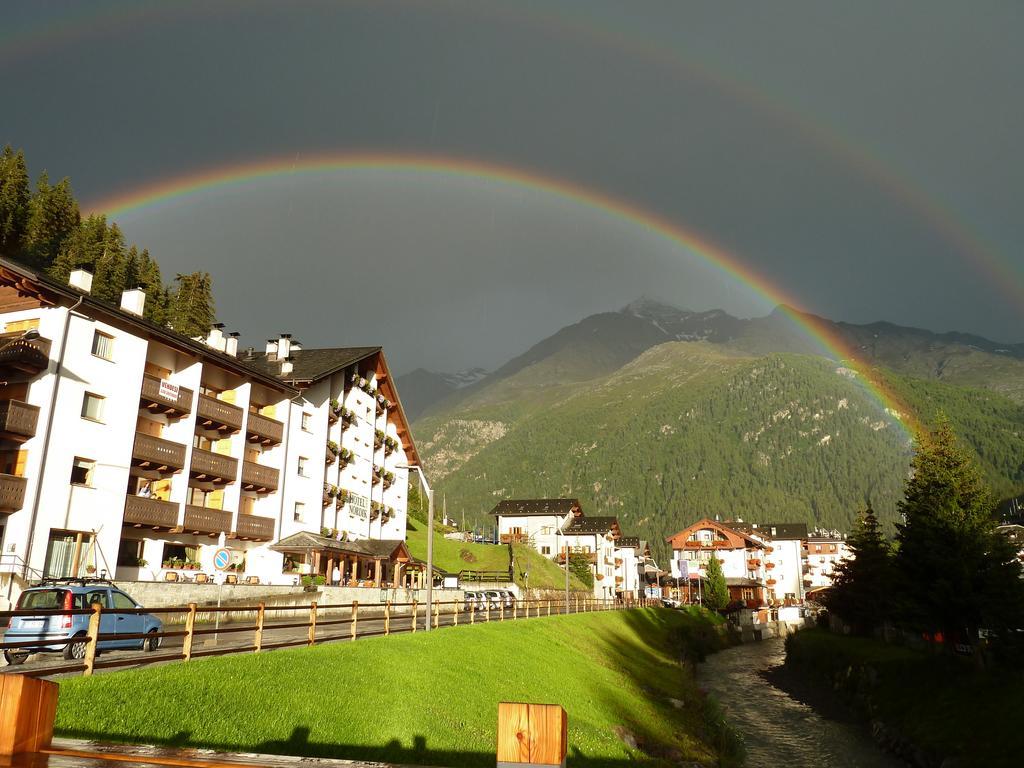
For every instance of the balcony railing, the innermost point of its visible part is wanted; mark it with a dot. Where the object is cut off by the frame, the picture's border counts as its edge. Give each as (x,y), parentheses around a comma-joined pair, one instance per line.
(206,520)
(218,415)
(255,528)
(161,396)
(515,538)
(22,358)
(213,467)
(256,477)
(18,420)
(142,512)
(12,492)
(156,453)
(262,429)
(591,557)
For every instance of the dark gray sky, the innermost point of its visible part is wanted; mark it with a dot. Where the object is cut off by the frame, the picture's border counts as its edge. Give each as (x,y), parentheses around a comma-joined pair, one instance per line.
(863,156)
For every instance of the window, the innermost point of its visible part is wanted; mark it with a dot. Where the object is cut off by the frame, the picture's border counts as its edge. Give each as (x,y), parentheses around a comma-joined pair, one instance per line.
(82,471)
(545,550)
(302,466)
(103,345)
(129,553)
(92,407)
(307,422)
(300,511)
(121,601)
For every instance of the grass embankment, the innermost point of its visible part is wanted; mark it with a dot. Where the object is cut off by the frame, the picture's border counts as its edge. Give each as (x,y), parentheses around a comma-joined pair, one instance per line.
(455,556)
(942,705)
(427,699)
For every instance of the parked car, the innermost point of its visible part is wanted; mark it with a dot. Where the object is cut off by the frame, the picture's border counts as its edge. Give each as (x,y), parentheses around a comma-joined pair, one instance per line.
(77,594)
(473,601)
(500,598)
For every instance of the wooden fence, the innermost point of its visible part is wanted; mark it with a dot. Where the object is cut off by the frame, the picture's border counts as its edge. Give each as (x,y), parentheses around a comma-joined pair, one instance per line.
(323,623)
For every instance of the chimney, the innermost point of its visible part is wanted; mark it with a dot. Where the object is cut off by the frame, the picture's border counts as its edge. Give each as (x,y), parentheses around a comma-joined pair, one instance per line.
(215,339)
(284,346)
(271,349)
(231,345)
(286,366)
(81,280)
(133,301)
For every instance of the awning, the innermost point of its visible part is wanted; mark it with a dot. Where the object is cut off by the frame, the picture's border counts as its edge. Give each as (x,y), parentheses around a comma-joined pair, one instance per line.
(373,549)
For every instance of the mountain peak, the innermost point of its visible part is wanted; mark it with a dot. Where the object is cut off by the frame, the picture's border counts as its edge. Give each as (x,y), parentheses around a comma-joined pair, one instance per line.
(646,307)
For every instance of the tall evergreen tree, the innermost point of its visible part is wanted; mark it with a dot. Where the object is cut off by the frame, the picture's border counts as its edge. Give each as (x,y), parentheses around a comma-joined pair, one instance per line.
(14,201)
(716,591)
(191,310)
(109,274)
(955,573)
(83,249)
(148,278)
(53,218)
(862,585)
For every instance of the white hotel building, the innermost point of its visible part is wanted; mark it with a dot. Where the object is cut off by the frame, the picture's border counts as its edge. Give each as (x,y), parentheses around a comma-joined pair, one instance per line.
(130,451)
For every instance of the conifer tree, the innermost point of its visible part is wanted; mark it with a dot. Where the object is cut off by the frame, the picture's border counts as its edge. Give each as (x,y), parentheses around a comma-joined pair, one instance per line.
(14,200)
(716,591)
(955,572)
(191,310)
(862,584)
(82,250)
(53,218)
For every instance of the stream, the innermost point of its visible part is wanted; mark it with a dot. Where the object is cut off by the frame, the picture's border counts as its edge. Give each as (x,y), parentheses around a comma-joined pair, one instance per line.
(777,729)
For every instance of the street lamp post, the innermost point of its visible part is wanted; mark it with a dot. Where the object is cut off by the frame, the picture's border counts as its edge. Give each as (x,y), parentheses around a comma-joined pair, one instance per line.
(430,537)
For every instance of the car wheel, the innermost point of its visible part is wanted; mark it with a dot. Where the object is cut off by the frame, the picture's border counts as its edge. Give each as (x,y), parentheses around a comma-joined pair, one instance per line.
(76,651)
(15,657)
(152,642)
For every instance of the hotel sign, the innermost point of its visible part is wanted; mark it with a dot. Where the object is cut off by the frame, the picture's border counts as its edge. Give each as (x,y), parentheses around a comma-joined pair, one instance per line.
(359,506)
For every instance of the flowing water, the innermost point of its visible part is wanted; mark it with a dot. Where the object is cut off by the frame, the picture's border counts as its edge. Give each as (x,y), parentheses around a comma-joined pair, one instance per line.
(778,730)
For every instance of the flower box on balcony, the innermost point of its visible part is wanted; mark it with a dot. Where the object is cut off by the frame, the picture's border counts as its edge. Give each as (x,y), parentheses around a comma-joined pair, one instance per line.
(345,457)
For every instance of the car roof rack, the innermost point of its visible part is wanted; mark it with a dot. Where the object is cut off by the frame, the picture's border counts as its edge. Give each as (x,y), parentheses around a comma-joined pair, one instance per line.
(72,580)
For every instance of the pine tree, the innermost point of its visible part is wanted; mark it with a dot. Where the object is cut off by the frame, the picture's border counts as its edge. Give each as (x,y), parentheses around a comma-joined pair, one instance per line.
(14,201)
(82,250)
(956,573)
(716,591)
(109,276)
(191,310)
(53,218)
(148,278)
(862,585)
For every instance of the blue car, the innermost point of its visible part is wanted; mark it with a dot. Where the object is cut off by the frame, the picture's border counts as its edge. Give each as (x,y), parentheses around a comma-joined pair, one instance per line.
(74,594)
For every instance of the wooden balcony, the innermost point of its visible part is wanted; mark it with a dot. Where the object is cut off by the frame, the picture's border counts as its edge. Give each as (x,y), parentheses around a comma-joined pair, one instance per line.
(254,527)
(140,512)
(591,557)
(18,420)
(199,520)
(262,429)
(12,493)
(753,564)
(256,477)
(159,396)
(515,538)
(217,415)
(213,467)
(22,358)
(157,454)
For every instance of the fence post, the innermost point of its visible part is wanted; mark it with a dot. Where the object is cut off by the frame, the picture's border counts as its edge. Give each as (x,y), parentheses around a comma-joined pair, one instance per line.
(414,607)
(311,633)
(501,611)
(258,641)
(437,614)
(577,605)
(487,611)
(455,613)
(472,613)
(190,627)
(93,639)
(549,608)
(355,618)
(387,618)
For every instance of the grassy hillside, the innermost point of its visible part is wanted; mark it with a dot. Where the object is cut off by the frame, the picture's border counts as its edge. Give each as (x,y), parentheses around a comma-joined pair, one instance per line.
(425,699)
(693,429)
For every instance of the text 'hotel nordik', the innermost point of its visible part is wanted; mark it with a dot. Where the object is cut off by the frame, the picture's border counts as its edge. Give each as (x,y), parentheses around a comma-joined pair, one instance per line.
(130,450)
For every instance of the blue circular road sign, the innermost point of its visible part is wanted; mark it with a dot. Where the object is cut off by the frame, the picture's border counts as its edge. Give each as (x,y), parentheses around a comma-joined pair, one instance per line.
(221,559)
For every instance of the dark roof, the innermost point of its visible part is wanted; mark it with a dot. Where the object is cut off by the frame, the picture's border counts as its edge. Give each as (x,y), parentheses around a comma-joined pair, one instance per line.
(141,324)
(378,549)
(630,541)
(528,507)
(785,531)
(740,581)
(313,364)
(591,525)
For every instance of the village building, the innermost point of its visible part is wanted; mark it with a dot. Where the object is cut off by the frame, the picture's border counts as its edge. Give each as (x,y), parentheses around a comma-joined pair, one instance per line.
(595,539)
(783,558)
(822,551)
(742,556)
(536,522)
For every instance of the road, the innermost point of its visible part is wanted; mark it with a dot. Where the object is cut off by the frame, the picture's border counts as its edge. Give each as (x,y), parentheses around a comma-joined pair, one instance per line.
(241,635)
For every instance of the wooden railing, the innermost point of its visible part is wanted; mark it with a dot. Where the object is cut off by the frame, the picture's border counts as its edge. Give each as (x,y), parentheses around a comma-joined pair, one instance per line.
(142,512)
(19,355)
(12,492)
(206,520)
(216,414)
(259,478)
(514,538)
(255,527)
(591,557)
(18,420)
(264,430)
(155,451)
(214,466)
(152,394)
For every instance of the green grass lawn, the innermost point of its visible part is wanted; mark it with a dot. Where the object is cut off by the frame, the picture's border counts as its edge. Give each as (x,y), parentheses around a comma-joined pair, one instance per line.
(940,703)
(428,699)
(455,556)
